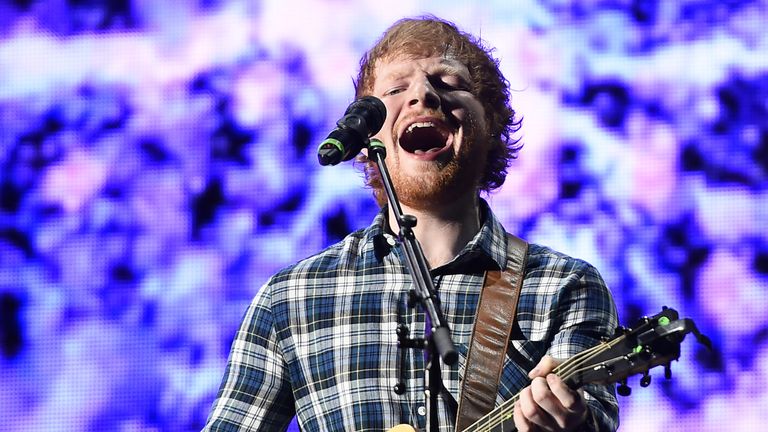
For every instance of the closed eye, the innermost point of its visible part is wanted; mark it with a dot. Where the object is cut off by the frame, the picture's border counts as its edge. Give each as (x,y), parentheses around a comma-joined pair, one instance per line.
(394,91)
(449,82)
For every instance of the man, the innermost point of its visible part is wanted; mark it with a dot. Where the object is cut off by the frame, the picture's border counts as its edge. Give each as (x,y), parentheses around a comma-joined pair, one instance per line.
(319,340)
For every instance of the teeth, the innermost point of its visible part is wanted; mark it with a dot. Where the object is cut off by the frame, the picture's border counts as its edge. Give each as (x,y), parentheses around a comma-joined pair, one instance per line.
(421,152)
(419,124)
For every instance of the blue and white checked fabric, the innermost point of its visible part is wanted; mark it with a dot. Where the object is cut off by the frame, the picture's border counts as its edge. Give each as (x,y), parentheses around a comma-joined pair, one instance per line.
(318,341)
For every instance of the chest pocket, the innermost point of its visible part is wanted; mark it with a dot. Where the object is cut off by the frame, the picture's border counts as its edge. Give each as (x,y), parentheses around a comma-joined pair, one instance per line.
(522,355)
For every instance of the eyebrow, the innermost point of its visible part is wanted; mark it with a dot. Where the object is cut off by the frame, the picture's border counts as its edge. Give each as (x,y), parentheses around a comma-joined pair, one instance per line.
(449,68)
(442,68)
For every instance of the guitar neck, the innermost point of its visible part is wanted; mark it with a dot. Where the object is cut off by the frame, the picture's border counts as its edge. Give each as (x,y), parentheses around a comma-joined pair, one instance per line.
(570,371)
(653,342)
(500,419)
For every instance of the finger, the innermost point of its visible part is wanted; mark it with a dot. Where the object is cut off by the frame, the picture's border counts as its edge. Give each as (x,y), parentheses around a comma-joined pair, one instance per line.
(548,403)
(569,399)
(570,409)
(536,401)
(545,366)
(521,423)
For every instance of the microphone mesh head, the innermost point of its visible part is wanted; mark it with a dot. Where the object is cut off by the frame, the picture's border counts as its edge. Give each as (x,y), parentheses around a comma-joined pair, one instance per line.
(372,110)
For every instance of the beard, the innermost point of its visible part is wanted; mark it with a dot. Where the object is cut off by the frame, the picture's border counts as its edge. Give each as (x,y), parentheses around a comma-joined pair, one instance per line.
(441,182)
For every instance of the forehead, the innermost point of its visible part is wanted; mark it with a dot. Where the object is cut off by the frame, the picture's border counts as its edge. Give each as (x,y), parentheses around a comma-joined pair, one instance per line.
(401,67)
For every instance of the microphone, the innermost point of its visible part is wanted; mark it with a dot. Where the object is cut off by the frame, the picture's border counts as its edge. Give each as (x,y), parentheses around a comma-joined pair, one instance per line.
(363,118)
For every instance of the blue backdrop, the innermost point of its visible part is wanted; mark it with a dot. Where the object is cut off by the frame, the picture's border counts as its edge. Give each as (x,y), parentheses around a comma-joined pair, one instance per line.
(157,164)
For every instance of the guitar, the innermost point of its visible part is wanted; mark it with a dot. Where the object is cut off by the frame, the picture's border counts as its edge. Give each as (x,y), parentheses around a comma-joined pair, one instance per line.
(654,341)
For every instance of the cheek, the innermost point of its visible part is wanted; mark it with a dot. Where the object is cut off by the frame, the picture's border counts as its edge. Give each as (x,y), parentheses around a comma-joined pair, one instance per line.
(477,110)
(478,118)
(390,121)
(474,120)
(467,107)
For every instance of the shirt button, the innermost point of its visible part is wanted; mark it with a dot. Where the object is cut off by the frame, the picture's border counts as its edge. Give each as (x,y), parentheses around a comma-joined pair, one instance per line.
(422,410)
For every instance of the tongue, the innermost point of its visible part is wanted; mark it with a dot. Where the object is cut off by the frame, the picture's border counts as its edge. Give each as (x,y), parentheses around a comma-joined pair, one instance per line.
(422,139)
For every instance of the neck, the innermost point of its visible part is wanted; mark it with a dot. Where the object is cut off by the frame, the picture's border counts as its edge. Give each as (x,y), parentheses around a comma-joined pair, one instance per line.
(445,229)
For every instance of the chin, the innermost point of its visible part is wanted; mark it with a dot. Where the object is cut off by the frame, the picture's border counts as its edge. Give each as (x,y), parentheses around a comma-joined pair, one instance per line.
(435,188)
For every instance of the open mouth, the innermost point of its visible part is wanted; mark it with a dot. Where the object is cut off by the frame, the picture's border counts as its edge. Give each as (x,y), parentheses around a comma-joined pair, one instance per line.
(424,137)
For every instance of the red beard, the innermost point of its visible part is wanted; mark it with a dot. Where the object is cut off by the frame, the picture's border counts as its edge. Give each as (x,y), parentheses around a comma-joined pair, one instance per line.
(442,182)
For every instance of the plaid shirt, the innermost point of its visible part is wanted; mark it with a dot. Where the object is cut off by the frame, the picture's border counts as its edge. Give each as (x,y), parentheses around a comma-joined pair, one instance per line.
(319,342)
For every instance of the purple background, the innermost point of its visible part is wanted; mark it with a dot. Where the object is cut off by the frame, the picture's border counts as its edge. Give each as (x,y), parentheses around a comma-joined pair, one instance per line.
(157,164)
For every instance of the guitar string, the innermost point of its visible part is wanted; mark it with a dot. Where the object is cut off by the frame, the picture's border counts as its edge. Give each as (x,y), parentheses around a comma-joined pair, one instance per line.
(565,371)
(505,410)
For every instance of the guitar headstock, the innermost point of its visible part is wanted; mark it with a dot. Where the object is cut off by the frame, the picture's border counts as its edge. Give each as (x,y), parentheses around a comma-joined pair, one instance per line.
(653,341)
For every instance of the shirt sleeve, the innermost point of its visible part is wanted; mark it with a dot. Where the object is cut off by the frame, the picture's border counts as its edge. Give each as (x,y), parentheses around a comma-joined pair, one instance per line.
(585,313)
(255,393)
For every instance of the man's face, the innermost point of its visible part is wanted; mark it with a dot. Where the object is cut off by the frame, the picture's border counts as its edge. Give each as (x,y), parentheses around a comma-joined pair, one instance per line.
(435,132)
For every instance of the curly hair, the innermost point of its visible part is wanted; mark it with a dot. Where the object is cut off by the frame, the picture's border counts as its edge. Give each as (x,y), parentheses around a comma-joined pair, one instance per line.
(429,36)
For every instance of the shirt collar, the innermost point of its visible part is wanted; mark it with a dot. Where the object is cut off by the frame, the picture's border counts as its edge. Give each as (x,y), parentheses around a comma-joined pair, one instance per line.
(488,248)
(489,245)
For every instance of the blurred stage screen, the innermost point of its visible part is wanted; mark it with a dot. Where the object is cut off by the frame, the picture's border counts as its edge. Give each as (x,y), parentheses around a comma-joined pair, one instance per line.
(158,164)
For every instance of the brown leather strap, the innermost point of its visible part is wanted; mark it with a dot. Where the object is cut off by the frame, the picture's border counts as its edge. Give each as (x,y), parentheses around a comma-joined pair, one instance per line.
(493,325)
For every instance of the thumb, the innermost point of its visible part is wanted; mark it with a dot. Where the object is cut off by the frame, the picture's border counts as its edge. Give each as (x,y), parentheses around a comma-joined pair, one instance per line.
(545,366)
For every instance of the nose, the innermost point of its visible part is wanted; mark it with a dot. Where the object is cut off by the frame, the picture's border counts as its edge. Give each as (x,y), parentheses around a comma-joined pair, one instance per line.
(424,93)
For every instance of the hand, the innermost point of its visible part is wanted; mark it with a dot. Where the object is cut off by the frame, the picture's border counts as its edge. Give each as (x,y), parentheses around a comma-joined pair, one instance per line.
(548,404)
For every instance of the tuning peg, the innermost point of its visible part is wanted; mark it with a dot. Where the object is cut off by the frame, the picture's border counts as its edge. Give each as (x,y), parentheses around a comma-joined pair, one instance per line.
(623,389)
(668,371)
(645,381)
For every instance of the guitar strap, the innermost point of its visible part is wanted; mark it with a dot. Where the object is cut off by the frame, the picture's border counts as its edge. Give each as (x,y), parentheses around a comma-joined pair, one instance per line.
(496,311)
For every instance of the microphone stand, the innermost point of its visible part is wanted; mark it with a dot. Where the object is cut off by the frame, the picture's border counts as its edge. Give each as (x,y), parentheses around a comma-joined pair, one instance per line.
(439,344)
